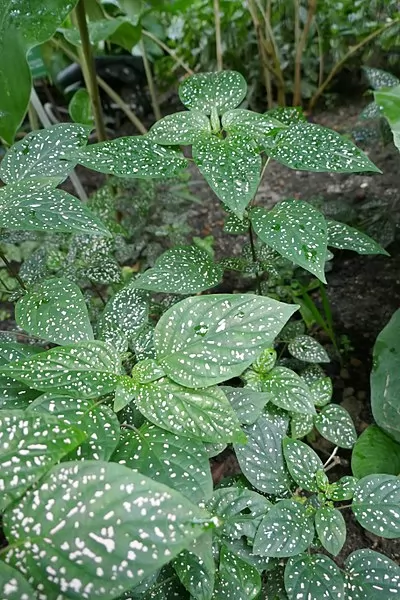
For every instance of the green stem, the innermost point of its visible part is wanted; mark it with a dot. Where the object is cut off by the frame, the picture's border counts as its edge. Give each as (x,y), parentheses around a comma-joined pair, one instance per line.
(150,82)
(33,118)
(11,271)
(168,50)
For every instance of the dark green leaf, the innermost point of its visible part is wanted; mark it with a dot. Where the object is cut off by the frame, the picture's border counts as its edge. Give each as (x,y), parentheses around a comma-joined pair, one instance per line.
(218,91)
(376,505)
(249,123)
(236,578)
(288,390)
(180,128)
(331,529)
(321,391)
(306,348)
(377,78)
(345,237)
(300,425)
(247,404)
(371,576)
(389,101)
(98,30)
(288,115)
(375,452)
(125,392)
(196,567)
(302,463)
(336,425)
(80,108)
(13,585)
(313,577)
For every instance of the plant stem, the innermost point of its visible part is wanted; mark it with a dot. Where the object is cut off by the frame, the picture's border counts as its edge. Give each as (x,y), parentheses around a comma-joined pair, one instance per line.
(218,43)
(300,45)
(33,118)
(254,256)
(168,50)
(150,82)
(262,43)
(11,271)
(89,69)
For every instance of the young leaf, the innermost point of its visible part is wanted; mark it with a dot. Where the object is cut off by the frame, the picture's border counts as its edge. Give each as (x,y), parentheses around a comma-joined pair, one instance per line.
(13,585)
(313,577)
(304,347)
(96,509)
(180,128)
(286,530)
(371,575)
(302,463)
(250,124)
(125,392)
(202,341)
(147,371)
(321,391)
(288,115)
(231,167)
(300,425)
(297,231)
(218,91)
(288,390)
(236,578)
(265,362)
(375,452)
(345,237)
(335,424)
(195,568)
(376,505)
(247,404)
(389,101)
(80,107)
(181,270)
(310,147)
(55,310)
(343,489)
(331,529)
(29,446)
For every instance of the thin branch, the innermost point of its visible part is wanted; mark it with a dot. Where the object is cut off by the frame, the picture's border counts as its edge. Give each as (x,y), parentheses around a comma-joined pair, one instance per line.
(168,50)
(150,82)
(11,271)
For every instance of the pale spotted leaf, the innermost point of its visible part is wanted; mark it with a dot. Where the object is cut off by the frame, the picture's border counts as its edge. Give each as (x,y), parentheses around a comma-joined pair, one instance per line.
(306,348)
(205,91)
(248,404)
(13,585)
(125,392)
(195,567)
(331,529)
(313,577)
(336,425)
(377,78)
(251,124)
(343,489)
(345,237)
(376,505)
(13,393)
(302,463)
(300,425)
(371,576)
(321,391)
(180,128)
(236,579)
(288,390)
(146,371)
(241,548)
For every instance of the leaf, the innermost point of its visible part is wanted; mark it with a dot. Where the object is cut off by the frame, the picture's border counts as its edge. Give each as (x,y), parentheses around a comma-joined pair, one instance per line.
(181,270)
(288,390)
(219,91)
(43,155)
(302,463)
(345,237)
(125,392)
(335,424)
(133,157)
(343,489)
(376,505)
(99,31)
(313,577)
(146,371)
(321,391)
(85,370)
(201,414)
(236,578)
(250,124)
(180,128)
(167,458)
(80,108)
(375,452)
(202,341)
(231,167)
(247,404)
(331,529)
(96,509)
(13,585)
(310,147)
(286,530)
(196,568)
(288,115)
(261,459)
(377,78)
(300,425)
(389,101)
(306,348)
(55,310)
(371,576)
(265,362)
(29,446)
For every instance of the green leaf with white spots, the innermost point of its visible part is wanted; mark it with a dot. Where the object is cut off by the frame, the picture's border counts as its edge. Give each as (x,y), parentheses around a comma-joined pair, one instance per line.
(292,330)
(204,340)
(336,425)
(331,529)
(243,550)
(131,157)
(235,226)
(300,425)
(312,373)
(85,370)
(231,166)
(96,509)
(371,576)
(313,577)
(375,452)
(289,391)
(377,78)
(236,579)
(321,391)
(29,446)
(250,124)
(55,310)
(376,505)
(125,392)
(10,351)
(306,348)
(195,567)
(174,460)
(296,230)
(146,371)
(310,147)
(219,91)
(302,463)
(123,317)
(288,115)
(181,270)
(97,421)
(261,459)
(13,585)
(180,128)
(14,395)
(286,530)
(247,404)
(265,362)
(345,237)
(343,489)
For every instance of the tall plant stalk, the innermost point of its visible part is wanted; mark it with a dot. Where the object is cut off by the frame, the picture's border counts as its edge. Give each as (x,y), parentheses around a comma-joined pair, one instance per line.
(218,41)
(301,40)
(150,82)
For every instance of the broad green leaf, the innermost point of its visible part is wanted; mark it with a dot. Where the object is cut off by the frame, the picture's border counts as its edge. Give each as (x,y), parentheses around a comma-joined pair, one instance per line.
(96,420)
(306,348)
(236,579)
(247,404)
(377,78)
(123,317)
(300,425)
(310,147)
(375,452)
(297,231)
(181,270)
(312,374)
(251,124)
(335,424)
(55,310)
(25,205)
(286,530)
(288,115)
(313,577)
(385,378)
(146,371)
(289,391)
(219,91)
(10,351)
(243,550)
(195,567)
(13,585)
(201,414)
(389,101)
(343,489)
(85,370)
(202,341)
(96,509)
(43,155)
(292,330)
(29,446)
(321,391)
(371,576)
(236,226)
(345,237)
(274,588)
(261,459)
(125,392)
(376,505)
(131,157)
(14,395)
(331,529)
(302,463)
(80,108)
(174,460)
(98,30)
(231,166)
(180,128)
